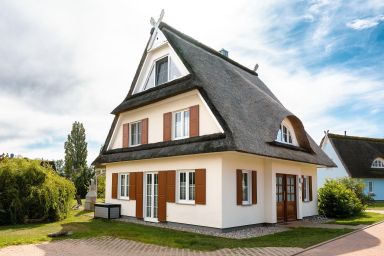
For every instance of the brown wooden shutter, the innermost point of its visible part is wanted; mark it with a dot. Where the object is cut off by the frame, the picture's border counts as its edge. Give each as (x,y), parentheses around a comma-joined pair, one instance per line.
(171,186)
(144,131)
(239,188)
(139,195)
(302,189)
(200,185)
(162,191)
(132,186)
(310,188)
(115,177)
(167,126)
(126,135)
(194,121)
(254,187)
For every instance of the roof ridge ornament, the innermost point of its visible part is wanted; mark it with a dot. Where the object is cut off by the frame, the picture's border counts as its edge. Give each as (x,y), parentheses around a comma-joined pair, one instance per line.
(155,26)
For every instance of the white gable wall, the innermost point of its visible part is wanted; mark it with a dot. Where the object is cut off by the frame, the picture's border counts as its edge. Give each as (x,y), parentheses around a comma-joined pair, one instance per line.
(154,112)
(161,50)
(332,172)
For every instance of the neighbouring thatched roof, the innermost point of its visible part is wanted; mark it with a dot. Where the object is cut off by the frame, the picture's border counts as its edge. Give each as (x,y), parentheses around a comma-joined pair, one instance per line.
(358,153)
(248,111)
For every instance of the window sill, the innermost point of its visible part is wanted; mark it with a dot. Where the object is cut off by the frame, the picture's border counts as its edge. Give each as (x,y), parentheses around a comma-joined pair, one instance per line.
(124,198)
(186,202)
(131,146)
(181,138)
(246,204)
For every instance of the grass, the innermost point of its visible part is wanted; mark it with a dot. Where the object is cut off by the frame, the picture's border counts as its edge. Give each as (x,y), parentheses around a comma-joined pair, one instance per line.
(376,206)
(83,226)
(366,218)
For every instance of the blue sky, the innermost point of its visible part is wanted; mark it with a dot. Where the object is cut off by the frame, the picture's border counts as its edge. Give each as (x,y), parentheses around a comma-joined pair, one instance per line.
(66,61)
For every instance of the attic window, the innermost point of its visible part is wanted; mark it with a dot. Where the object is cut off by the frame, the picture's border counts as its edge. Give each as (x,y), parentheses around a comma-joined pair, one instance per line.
(378,163)
(284,135)
(163,70)
(161,75)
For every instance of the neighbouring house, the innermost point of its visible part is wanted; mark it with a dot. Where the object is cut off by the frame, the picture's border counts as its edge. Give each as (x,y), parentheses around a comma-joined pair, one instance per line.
(201,140)
(356,157)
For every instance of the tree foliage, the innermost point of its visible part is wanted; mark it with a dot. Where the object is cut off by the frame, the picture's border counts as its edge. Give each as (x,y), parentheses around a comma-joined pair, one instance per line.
(75,162)
(101,186)
(30,192)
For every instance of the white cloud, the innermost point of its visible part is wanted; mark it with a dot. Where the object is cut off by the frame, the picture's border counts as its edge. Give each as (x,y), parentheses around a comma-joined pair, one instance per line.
(360,24)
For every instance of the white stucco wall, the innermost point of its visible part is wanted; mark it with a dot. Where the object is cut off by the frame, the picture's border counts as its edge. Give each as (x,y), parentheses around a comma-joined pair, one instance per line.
(154,112)
(333,172)
(221,209)
(204,215)
(265,209)
(239,215)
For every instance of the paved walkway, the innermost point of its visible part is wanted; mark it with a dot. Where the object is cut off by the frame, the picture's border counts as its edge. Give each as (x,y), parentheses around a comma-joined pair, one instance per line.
(106,246)
(369,241)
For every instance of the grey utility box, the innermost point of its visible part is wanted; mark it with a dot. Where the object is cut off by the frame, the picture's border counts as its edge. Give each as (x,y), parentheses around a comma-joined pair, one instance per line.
(107,211)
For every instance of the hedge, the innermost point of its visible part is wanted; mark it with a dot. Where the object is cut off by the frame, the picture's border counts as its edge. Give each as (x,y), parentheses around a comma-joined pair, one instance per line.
(30,192)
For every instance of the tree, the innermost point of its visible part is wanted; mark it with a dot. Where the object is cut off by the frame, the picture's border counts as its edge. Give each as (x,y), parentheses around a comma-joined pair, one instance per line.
(59,167)
(75,162)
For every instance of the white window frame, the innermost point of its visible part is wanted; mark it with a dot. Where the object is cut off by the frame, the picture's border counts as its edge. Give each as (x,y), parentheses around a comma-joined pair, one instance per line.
(306,183)
(168,69)
(131,134)
(370,186)
(126,186)
(183,136)
(249,185)
(378,163)
(280,134)
(186,200)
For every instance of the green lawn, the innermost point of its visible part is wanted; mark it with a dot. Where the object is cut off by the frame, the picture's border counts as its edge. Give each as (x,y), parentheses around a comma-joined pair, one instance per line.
(83,225)
(376,206)
(365,218)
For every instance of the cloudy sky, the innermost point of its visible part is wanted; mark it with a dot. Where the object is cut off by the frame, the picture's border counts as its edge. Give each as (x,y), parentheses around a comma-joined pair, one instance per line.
(73,60)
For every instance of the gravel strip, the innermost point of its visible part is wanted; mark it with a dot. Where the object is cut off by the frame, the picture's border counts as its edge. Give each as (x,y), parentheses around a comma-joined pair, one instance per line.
(241,233)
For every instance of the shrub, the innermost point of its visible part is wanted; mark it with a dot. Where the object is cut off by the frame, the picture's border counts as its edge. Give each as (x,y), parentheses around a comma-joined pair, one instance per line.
(337,200)
(30,192)
(101,186)
(357,186)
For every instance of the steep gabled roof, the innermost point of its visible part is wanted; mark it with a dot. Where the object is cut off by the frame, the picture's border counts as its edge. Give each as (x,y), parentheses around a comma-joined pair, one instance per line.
(358,153)
(248,111)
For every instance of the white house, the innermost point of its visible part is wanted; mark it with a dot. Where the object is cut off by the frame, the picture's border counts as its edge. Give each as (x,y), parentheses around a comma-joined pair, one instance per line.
(356,157)
(201,140)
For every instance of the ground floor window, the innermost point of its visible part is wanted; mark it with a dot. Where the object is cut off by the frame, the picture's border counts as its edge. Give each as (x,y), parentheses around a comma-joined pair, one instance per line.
(305,187)
(124,186)
(246,186)
(370,186)
(186,186)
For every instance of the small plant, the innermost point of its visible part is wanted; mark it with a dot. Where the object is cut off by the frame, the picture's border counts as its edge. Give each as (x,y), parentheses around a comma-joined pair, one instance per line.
(336,199)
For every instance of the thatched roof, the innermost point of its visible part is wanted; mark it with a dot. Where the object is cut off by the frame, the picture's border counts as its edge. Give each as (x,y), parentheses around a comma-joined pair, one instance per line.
(248,111)
(358,153)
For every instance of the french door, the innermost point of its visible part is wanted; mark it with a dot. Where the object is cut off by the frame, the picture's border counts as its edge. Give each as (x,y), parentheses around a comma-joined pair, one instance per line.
(286,197)
(151,197)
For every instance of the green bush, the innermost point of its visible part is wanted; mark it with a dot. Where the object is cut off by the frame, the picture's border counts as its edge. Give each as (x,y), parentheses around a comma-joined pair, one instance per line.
(30,192)
(357,186)
(101,186)
(337,200)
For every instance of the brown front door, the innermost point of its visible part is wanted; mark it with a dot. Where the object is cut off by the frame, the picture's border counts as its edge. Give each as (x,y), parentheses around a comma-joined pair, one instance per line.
(285,197)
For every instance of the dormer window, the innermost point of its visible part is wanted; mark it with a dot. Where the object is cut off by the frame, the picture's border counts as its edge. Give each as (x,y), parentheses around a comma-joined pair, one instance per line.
(284,135)
(378,163)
